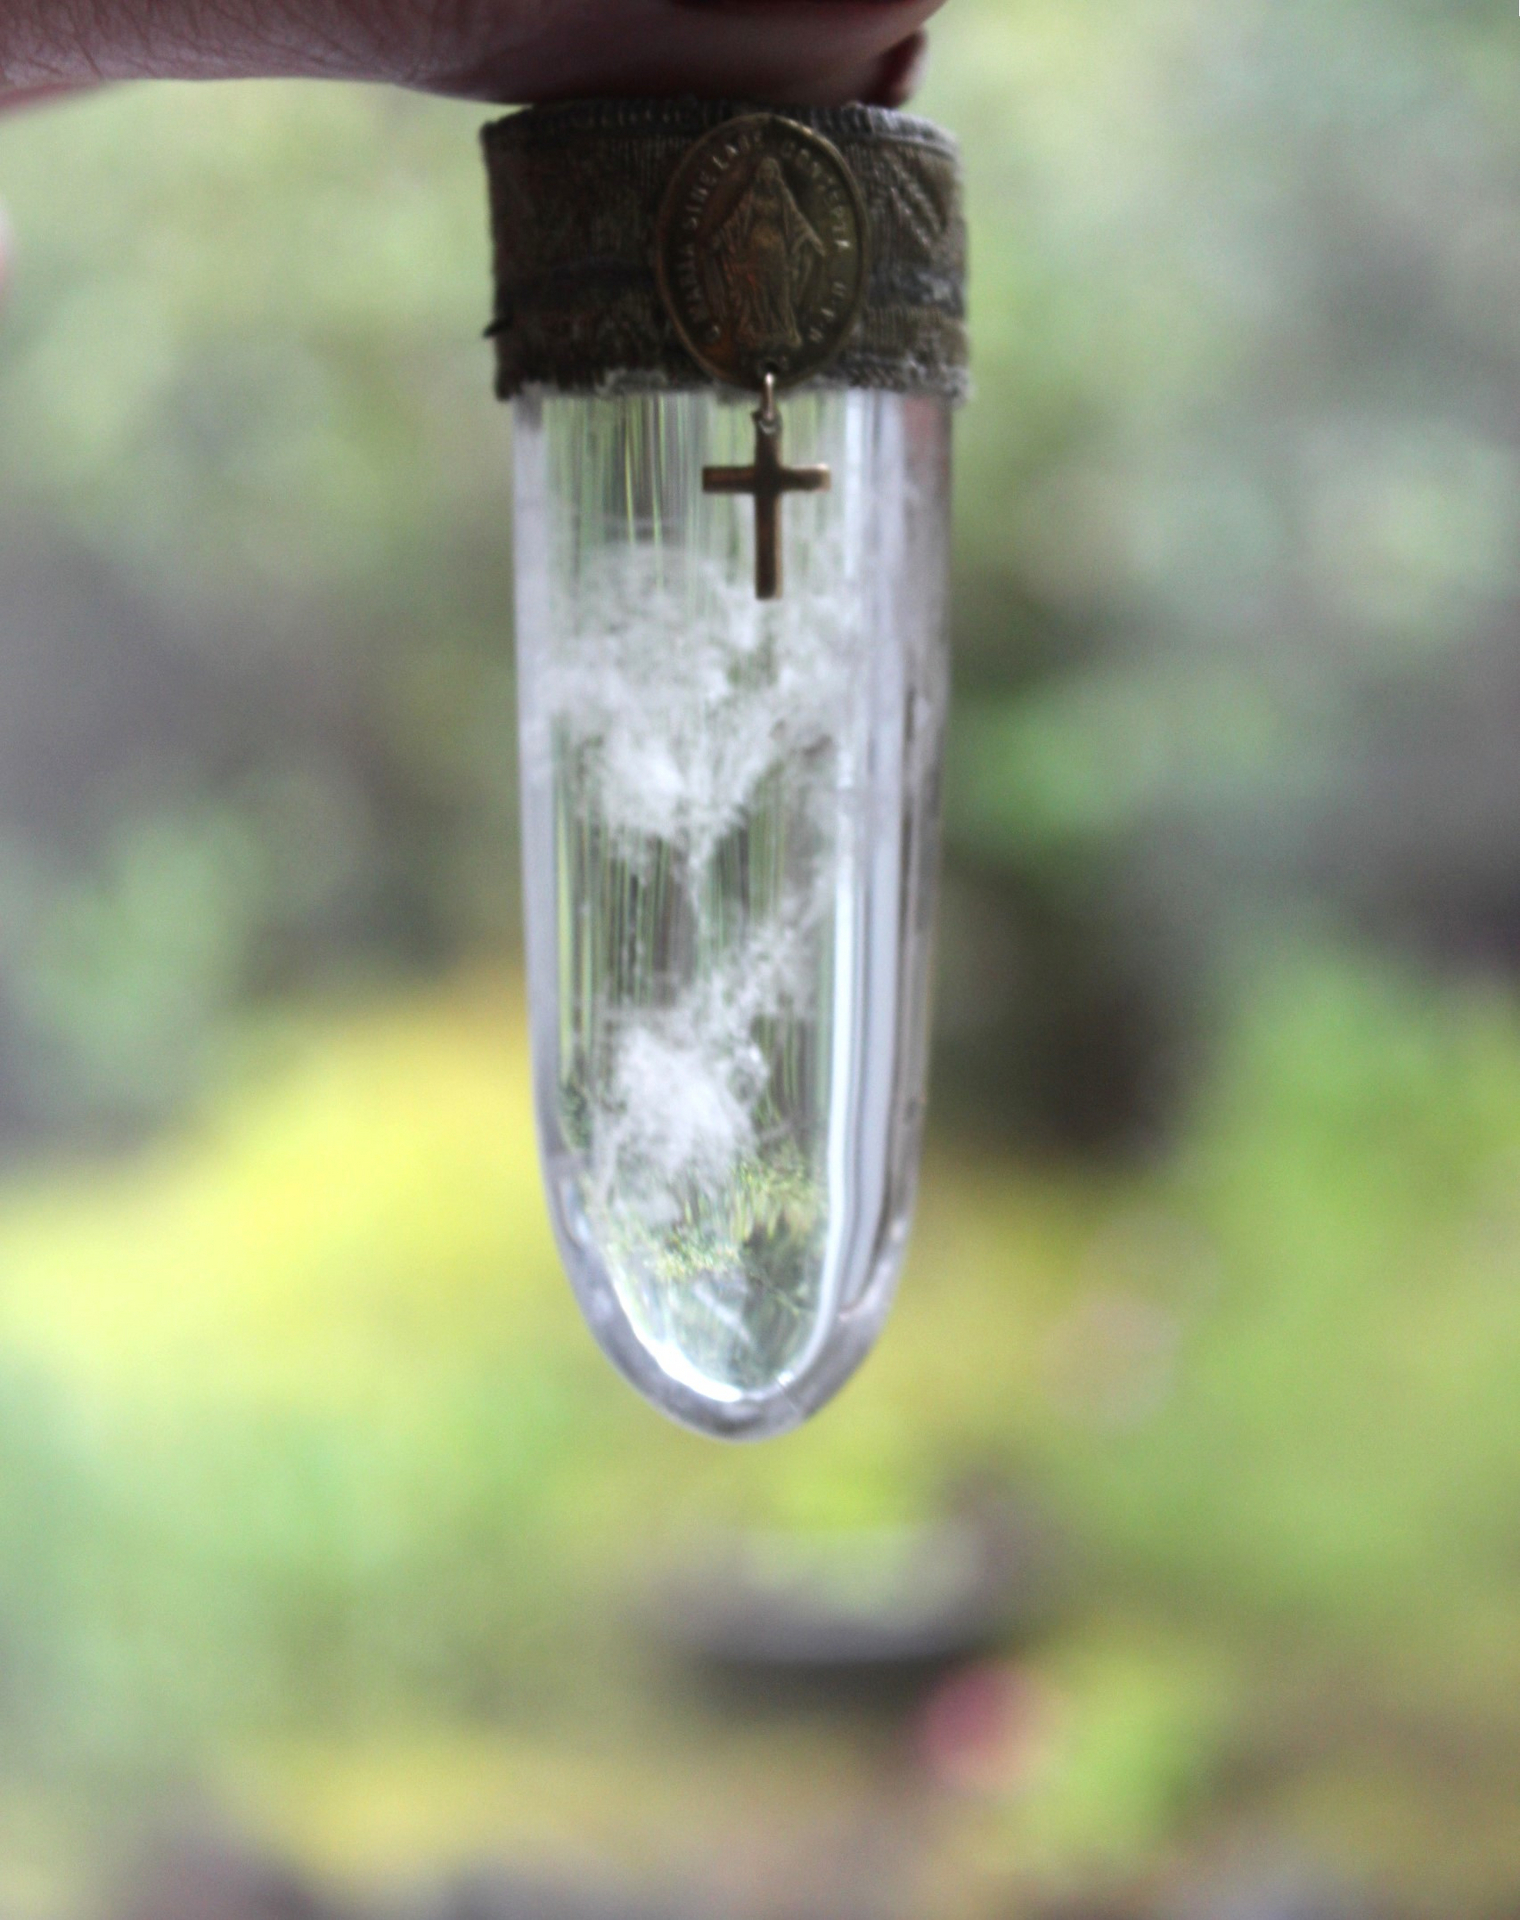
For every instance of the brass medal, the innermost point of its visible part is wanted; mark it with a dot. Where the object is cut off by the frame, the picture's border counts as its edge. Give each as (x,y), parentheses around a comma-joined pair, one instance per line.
(761,251)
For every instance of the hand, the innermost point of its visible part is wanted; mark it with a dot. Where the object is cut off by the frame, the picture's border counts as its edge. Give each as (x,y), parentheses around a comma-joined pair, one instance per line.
(804,51)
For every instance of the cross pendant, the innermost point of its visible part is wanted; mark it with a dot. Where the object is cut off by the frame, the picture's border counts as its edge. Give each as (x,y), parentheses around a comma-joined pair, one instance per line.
(767,480)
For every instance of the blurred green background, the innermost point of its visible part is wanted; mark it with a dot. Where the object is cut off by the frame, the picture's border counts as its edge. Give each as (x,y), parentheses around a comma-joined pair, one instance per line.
(337,1572)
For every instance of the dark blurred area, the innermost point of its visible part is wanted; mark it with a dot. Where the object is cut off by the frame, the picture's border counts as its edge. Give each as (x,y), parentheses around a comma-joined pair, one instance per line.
(1164,1564)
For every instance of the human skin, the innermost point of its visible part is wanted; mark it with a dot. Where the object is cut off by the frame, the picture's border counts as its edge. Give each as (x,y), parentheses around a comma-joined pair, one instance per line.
(806,51)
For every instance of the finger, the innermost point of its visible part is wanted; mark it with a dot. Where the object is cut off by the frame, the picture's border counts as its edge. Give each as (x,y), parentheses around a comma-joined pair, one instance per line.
(13,98)
(817,52)
(805,52)
(901,73)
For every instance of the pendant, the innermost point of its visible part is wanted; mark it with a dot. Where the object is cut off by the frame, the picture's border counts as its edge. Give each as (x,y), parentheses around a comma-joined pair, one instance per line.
(767,480)
(732,684)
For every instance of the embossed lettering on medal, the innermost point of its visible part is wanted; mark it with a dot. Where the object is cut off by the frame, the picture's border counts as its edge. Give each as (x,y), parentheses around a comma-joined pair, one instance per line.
(761,252)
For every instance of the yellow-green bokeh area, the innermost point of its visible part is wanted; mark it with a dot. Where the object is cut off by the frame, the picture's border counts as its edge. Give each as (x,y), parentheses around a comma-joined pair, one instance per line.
(316,1493)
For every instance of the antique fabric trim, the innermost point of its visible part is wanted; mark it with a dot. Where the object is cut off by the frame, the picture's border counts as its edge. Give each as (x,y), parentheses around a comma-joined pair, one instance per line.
(576,193)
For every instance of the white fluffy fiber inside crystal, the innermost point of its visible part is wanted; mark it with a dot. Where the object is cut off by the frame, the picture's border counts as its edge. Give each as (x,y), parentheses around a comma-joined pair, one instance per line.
(683,691)
(688,723)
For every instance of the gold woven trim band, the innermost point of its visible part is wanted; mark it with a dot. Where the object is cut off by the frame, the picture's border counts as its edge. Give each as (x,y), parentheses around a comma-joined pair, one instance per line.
(576,193)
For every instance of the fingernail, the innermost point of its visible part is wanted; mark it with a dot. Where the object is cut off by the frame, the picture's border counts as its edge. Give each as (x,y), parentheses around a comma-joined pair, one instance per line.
(901,72)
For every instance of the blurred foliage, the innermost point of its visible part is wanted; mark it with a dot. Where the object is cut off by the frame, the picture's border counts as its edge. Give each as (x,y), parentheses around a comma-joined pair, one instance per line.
(1239,504)
(311,1485)
(302,1445)
(255,546)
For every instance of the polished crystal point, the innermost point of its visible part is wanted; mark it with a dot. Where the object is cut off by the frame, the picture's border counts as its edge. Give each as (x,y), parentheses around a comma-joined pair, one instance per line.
(730,816)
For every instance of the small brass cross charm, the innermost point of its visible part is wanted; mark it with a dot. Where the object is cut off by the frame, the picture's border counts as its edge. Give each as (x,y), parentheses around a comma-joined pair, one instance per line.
(768,479)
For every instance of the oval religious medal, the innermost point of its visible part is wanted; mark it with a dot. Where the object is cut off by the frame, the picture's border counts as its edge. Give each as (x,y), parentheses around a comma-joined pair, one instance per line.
(761,251)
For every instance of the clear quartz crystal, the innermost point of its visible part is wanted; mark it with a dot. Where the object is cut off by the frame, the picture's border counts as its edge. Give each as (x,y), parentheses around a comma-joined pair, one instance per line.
(730,834)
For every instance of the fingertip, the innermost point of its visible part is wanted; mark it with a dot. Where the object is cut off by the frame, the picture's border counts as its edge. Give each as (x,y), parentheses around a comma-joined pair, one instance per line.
(12,99)
(794,52)
(900,72)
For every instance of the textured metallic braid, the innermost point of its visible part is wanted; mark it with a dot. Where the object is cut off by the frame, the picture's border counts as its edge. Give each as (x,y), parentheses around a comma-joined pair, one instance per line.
(575,195)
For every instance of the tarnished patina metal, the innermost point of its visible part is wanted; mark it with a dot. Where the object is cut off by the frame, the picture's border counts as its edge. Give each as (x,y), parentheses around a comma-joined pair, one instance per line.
(761,256)
(768,481)
(761,251)
(666,244)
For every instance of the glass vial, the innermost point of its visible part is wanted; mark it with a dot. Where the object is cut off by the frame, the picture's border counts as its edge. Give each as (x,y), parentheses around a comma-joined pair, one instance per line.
(730,814)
